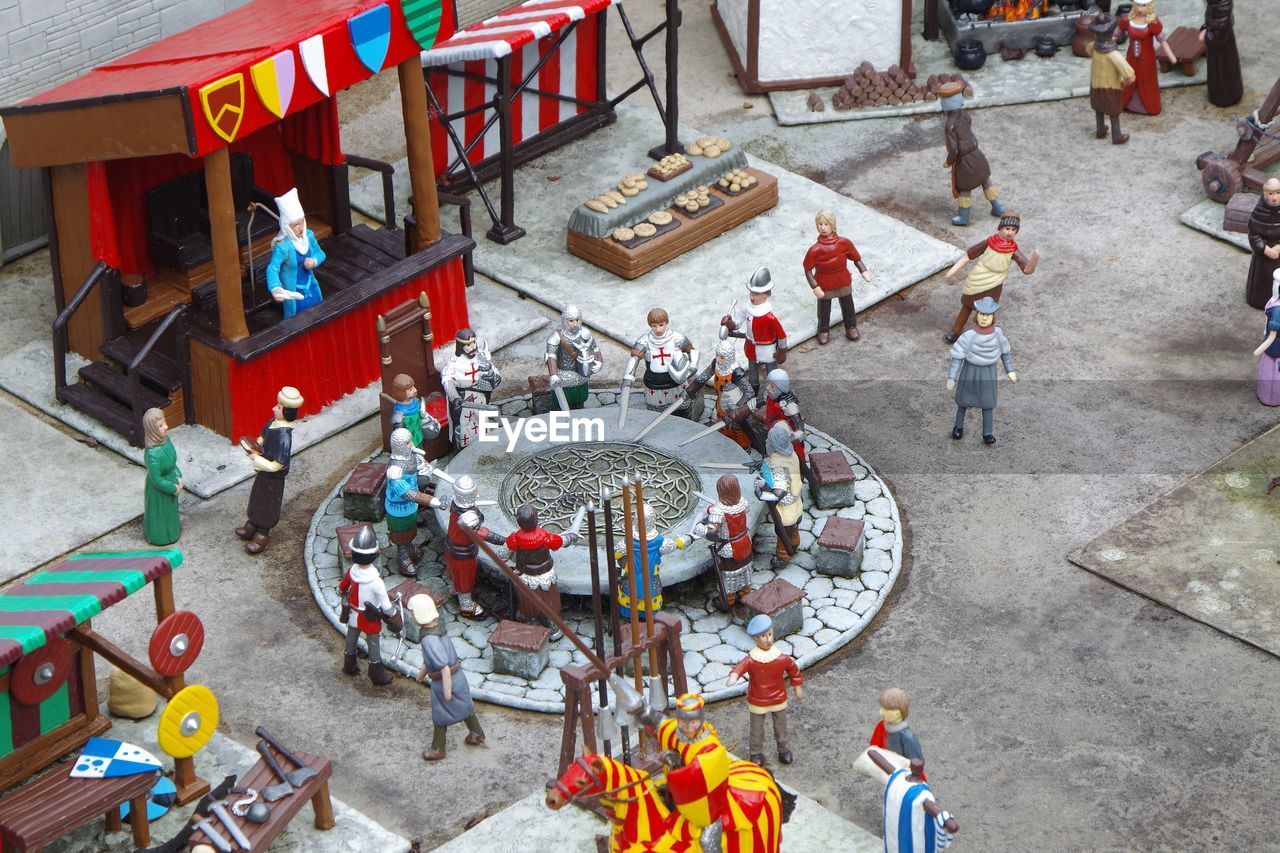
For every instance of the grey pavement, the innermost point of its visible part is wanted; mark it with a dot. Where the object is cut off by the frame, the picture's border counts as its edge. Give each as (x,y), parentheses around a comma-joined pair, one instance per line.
(1058,711)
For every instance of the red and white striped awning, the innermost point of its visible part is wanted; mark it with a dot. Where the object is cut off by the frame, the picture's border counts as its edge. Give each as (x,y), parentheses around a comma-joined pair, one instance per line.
(511,30)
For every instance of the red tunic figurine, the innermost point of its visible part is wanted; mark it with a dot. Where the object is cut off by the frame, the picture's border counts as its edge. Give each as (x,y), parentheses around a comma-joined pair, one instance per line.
(768,671)
(531,547)
(459,551)
(1145,31)
(766,340)
(826,266)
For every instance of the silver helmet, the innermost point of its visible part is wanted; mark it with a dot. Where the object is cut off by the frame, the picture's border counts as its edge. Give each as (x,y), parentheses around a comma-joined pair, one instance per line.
(571,312)
(726,351)
(650,520)
(465,492)
(402,448)
(761,281)
(779,439)
(779,377)
(364,545)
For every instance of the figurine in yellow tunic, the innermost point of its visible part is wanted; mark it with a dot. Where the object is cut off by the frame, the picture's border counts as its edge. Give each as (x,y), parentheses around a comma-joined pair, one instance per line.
(994,255)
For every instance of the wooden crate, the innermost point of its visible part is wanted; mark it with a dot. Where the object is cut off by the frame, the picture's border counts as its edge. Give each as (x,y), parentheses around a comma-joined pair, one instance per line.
(607,253)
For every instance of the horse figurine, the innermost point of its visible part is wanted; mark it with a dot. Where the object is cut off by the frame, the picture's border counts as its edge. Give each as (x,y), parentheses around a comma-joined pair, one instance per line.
(722,805)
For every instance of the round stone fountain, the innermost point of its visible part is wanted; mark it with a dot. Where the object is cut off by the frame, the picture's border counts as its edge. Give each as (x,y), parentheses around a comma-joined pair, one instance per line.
(559,476)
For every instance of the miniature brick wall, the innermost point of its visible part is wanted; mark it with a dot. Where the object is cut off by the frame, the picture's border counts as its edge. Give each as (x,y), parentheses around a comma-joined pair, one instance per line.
(44,43)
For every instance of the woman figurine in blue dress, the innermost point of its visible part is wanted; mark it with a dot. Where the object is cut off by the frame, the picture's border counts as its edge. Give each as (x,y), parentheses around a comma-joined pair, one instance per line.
(1268,352)
(294,254)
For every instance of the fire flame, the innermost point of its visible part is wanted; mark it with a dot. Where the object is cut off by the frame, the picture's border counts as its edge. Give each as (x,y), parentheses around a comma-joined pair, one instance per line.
(1017,10)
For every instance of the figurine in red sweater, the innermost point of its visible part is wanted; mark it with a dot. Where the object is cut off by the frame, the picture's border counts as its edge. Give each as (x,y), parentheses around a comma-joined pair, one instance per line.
(768,670)
(531,546)
(826,266)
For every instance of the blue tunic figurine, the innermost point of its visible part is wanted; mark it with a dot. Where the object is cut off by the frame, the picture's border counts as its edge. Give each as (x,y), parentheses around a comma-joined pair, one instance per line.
(657,545)
(294,254)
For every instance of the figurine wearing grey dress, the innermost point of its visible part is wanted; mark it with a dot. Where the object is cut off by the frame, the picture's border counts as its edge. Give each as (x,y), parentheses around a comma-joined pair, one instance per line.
(973,368)
(450,694)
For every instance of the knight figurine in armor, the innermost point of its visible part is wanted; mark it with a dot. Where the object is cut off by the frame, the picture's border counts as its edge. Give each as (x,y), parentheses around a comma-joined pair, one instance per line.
(729,381)
(408,410)
(365,604)
(687,734)
(973,368)
(780,484)
(470,378)
(781,405)
(531,546)
(405,495)
(669,359)
(724,524)
(573,357)
(269,455)
(657,545)
(766,340)
(459,551)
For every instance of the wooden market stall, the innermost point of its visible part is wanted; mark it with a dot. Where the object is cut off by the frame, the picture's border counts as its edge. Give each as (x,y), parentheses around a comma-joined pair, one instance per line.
(153,161)
(48,693)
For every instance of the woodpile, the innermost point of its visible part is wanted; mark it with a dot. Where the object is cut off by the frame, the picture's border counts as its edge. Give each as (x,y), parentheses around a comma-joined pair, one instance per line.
(867,87)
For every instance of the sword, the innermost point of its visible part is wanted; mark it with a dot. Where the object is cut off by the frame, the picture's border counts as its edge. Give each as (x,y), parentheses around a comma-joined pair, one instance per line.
(714,428)
(561,400)
(659,418)
(400,647)
(626,400)
(724,330)
(575,526)
(221,812)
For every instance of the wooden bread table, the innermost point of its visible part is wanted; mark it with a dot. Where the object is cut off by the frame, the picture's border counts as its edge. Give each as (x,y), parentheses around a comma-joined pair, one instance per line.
(283,811)
(609,254)
(54,804)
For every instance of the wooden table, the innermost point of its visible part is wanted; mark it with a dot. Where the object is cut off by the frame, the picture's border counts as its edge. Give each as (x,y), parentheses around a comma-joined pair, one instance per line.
(54,804)
(1186,45)
(609,254)
(283,811)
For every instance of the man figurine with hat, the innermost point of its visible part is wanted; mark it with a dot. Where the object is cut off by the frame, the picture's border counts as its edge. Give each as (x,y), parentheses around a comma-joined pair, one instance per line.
(994,255)
(767,671)
(294,255)
(973,368)
(450,693)
(269,455)
(766,340)
(364,605)
(1109,74)
(968,165)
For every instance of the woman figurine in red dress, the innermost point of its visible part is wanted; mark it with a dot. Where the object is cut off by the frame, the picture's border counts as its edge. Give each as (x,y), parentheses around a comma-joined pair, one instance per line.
(1145,31)
(826,266)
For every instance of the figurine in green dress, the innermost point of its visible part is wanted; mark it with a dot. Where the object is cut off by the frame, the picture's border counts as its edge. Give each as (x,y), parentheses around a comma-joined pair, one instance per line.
(160,523)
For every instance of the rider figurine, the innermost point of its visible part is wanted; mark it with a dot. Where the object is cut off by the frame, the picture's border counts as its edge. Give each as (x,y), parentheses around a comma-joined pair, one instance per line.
(669,359)
(573,357)
(469,379)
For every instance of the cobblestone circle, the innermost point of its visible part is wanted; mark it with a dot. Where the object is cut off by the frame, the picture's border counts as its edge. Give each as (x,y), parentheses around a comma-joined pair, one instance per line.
(835,611)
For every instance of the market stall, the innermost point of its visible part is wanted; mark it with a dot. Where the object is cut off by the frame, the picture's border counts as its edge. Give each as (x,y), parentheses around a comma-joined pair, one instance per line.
(153,163)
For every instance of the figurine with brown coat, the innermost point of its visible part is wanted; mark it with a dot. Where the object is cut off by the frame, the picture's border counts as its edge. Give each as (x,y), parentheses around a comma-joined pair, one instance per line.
(969,167)
(1222,60)
(270,456)
(1264,242)
(1108,75)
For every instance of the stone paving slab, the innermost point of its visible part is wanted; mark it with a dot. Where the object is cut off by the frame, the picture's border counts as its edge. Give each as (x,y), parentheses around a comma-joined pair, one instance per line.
(211,464)
(353,832)
(528,824)
(1207,216)
(698,287)
(836,611)
(996,83)
(1207,548)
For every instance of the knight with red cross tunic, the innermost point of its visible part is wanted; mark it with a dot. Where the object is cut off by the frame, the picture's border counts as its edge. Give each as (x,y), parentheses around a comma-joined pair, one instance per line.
(469,379)
(766,346)
(459,551)
(669,359)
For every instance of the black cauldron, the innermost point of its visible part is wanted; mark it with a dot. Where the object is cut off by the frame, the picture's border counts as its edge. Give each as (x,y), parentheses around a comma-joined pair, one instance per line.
(972,7)
(969,54)
(1045,47)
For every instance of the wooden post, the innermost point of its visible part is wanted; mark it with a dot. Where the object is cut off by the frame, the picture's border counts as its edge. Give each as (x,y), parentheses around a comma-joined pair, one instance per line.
(226,251)
(422,171)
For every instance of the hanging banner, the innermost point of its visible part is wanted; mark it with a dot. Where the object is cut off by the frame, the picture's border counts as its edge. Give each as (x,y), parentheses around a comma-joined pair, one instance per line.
(312,52)
(371,35)
(223,104)
(273,80)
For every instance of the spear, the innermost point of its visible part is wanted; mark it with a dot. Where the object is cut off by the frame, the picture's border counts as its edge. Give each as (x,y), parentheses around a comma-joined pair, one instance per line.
(606,500)
(631,580)
(648,580)
(595,608)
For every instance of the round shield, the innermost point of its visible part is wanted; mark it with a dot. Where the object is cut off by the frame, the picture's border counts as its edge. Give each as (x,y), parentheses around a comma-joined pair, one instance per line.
(38,675)
(176,643)
(188,721)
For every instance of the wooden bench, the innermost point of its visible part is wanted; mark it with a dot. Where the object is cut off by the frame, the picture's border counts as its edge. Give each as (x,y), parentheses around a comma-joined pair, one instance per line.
(1186,45)
(283,811)
(54,804)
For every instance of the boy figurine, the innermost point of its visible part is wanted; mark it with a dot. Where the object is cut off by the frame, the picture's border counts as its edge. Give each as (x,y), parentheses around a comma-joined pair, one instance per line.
(269,456)
(469,379)
(995,255)
(364,605)
(669,359)
(780,483)
(573,357)
(531,547)
(294,256)
(450,693)
(973,368)
(724,525)
(1109,74)
(968,165)
(404,497)
(657,545)
(459,551)
(893,732)
(408,410)
(767,670)
(729,381)
(766,346)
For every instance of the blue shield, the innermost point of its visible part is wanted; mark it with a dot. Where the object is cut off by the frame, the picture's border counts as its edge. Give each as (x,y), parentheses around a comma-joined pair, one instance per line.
(371,36)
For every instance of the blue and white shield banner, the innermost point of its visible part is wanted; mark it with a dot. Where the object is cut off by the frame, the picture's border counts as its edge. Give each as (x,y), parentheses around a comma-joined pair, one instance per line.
(105,758)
